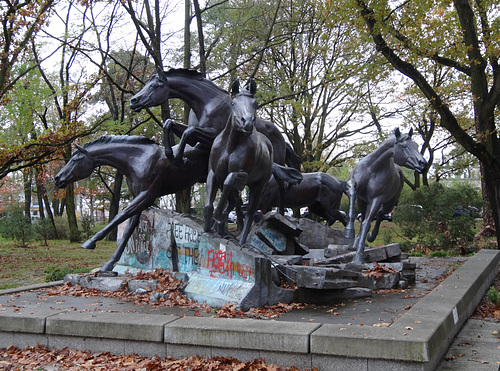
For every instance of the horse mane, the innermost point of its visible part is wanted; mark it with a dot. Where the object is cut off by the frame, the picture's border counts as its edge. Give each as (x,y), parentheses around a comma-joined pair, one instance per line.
(126,139)
(191,74)
(183,72)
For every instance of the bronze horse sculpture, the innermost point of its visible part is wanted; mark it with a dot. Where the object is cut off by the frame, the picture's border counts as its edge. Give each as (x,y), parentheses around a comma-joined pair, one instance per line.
(320,192)
(240,156)
(148,172)
(376,183)
(210,108)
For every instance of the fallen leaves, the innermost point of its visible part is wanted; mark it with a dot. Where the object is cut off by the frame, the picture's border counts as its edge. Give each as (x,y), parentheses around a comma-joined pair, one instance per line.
(33,358)
(168,294)
(379,270)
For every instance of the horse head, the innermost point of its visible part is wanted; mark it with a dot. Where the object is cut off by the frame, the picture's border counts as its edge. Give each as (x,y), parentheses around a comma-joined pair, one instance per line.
(154,93)
(78,167)
(406,152)
(244,106)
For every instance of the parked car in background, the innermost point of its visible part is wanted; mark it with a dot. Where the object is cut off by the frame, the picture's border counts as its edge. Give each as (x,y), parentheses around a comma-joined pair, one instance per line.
(231,218)
(387,216)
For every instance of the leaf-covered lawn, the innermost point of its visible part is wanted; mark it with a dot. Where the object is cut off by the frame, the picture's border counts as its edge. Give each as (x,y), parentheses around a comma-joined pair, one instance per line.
(25,265)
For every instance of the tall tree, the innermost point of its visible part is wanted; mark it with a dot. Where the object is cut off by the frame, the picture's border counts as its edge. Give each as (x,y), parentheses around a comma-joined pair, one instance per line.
(464,37)
(20,21)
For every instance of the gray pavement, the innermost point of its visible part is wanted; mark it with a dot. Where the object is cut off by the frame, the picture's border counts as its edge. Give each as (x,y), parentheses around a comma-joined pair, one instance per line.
(474,348)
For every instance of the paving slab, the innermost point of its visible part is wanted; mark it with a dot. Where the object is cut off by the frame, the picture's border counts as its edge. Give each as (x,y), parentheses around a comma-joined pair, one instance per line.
(356,320)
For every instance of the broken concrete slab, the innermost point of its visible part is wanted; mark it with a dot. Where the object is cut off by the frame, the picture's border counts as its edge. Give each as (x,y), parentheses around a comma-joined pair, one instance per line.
(318,236)
(288,226)
(98,283)
(335,250)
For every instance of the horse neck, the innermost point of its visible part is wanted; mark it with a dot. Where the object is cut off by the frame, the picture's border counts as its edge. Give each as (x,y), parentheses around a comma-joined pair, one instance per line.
(195,92)
(117,156)
(383,155)
(231,136)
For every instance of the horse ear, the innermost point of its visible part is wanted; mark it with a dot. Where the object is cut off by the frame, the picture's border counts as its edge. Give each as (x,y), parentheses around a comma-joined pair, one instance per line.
(252,86)
(235,88)
(410,133)
(81,149)
(397,133)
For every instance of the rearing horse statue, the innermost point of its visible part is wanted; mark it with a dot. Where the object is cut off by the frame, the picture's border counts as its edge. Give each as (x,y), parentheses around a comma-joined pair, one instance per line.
(148,172)
(376,183)
(240,156)
(210,108)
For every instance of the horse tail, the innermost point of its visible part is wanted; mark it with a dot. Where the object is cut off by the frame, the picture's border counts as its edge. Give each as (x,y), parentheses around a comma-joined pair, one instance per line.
(291,158)
(288,174)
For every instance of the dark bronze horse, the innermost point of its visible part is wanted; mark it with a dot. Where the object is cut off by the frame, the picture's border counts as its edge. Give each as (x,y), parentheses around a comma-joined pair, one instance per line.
(240,156)
(148,172)
(376,183)
(210,110)
(320,192)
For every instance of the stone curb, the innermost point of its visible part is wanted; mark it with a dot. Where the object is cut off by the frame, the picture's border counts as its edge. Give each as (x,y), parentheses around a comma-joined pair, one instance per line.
(31,287)
(416,341)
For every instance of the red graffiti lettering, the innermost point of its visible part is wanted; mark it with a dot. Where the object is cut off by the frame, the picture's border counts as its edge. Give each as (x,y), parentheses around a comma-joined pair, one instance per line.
(221,263)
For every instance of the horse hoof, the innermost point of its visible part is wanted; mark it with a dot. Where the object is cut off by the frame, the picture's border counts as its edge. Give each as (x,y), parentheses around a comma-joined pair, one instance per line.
(358,259)
(89,245)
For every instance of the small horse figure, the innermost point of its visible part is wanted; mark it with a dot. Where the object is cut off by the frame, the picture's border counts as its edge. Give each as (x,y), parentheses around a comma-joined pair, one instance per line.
(148,172)
(211,107)
(240,156)
(376,183)
(320,192)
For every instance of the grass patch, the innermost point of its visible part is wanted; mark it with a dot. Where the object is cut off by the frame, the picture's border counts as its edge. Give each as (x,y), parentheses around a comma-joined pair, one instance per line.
(26,265)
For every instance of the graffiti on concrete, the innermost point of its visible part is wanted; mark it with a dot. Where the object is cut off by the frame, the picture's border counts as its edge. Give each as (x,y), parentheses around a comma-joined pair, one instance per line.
(140,245)
(220,264)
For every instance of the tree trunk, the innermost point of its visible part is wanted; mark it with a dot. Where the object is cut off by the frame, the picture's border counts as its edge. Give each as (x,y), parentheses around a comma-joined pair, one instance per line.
(183,198)
(114,206)
(50,215)
(492,182)
(27,192)
(74,234)
(183,201)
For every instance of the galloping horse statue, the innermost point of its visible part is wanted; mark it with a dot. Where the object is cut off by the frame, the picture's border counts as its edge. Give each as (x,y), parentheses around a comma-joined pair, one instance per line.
(320,192)
(240,156)
(376,183)
(210,106)
(148,172)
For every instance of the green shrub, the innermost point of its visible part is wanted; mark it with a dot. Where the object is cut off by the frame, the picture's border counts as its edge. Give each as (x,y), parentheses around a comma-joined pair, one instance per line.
(44,230)
(15,225)
(62,227)
(87,224)
(494,296)
(438,254)
(429,216)
(55,273)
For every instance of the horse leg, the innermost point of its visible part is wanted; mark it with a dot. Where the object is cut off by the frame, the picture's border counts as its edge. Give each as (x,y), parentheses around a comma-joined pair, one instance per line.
(253,204)
(234,182)
(351,193)
(193,135)
(359,243)
(133,222)
(208,210)
(374,233)
(167,126)
(136,206)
